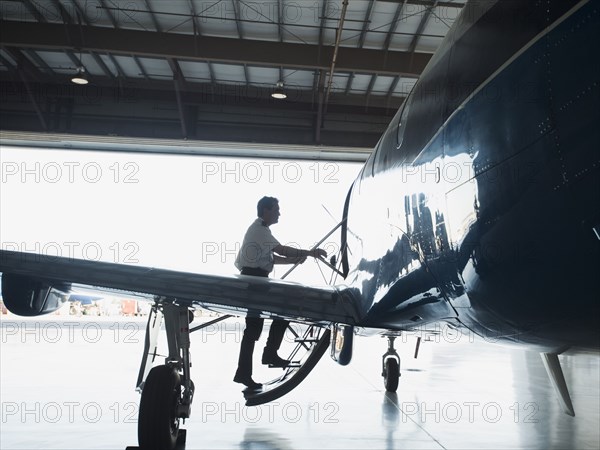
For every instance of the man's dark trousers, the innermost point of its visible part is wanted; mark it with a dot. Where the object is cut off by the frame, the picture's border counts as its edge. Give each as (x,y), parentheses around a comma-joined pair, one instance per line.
(254,326)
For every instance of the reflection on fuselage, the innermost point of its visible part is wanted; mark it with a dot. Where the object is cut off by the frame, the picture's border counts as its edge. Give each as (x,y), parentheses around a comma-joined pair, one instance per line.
(474,208)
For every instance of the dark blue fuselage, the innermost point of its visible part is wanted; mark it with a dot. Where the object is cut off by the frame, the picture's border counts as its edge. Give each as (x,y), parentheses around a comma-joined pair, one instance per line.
(483,195)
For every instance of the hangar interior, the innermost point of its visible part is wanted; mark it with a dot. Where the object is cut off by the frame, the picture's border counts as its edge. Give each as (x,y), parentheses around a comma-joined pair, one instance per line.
(203,76)
(184,72)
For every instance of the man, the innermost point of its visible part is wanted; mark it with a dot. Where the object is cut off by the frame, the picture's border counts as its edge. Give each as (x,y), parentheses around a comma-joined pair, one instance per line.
(259,252)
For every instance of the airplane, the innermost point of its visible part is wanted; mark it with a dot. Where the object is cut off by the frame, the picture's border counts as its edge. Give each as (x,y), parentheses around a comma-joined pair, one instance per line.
(478,208)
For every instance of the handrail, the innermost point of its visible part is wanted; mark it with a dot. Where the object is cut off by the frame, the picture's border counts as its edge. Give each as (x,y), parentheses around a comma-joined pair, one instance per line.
(315,247)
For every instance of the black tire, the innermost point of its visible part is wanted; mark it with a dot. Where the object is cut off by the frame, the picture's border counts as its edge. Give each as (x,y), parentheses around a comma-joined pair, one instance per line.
(158,424)
(391,374)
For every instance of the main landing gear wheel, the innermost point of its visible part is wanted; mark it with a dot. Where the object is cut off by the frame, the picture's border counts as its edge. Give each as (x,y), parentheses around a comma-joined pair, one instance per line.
(391,374)
(158,423)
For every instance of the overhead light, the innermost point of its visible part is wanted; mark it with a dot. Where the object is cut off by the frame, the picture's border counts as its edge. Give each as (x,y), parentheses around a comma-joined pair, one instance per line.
(278,93)
(80,77)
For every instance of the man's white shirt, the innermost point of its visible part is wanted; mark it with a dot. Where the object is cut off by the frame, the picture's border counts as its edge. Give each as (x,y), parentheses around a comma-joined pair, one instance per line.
(257,247)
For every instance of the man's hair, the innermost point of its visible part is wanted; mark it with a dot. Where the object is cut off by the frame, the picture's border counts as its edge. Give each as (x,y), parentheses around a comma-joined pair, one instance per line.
(265,203)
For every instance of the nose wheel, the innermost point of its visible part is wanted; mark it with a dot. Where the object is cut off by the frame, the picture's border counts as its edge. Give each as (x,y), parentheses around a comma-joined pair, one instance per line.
(391,367)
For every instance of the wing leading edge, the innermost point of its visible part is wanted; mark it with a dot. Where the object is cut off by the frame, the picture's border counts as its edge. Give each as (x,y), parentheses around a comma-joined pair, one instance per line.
(237,294)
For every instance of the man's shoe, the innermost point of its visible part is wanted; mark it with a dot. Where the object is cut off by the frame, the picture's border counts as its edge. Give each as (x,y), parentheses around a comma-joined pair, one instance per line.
(247,380)
(274,360)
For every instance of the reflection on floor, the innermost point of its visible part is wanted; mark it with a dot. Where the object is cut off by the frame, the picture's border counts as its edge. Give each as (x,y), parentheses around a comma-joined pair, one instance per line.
(66,383)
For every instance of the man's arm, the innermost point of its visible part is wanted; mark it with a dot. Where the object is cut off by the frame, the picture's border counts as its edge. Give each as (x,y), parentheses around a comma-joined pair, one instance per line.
(288,260)
(297,253)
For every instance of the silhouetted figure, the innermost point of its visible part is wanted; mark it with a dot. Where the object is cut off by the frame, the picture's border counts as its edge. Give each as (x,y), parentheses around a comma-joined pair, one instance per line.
(259,252)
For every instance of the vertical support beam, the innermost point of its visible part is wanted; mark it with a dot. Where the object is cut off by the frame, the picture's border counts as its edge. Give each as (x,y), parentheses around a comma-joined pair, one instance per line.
(213,79)
(349,83)
(197,31)
(81,14)
(7,63)
(34,11)
(338,39)
(321,98)
(120,71)
(323,23)
(152,16)
(369,90)
(178,81)
(367,21)
(31,54)
(422,24)
(102,65)
(280,19)
(371,84)
(236,12)
(391,89)
(141,67)
(66,17)
(23,65)
(74,59)
(110,15)
(246,75)
(393,26)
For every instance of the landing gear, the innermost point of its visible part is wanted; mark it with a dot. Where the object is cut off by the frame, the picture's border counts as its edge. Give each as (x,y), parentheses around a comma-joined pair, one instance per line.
(391,367)
(167,390)
(158,422)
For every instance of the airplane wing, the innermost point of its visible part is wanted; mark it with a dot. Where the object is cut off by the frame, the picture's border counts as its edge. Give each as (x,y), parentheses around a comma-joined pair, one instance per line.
(236,294)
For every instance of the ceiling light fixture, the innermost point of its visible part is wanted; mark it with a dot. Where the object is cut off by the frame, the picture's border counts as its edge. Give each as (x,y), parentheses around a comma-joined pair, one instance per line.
(278,93)
(80,77)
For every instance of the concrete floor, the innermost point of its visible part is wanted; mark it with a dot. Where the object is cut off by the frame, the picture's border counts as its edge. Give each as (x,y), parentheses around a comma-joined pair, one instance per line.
(66,383)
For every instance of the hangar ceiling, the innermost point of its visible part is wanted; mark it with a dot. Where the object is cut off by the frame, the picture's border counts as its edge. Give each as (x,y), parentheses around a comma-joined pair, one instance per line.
(191,70)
